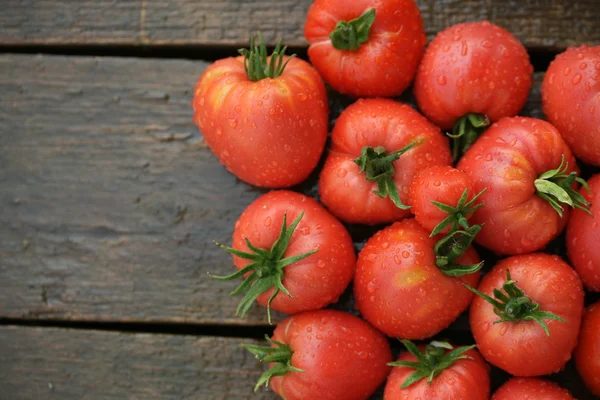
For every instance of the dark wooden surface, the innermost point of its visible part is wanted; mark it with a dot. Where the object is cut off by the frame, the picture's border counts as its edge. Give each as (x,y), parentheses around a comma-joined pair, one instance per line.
(537,23)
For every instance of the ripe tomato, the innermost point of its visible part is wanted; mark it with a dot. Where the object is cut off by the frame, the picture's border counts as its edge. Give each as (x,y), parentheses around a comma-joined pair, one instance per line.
(472,68)
(587,354)
(326,355)
(291,266)
(514,160)
(540,304)
(268,130)
(571,100)
(448,187)
(365,48)
(583,237)
(455,374)
(399,287)
(368,133)
(531,389)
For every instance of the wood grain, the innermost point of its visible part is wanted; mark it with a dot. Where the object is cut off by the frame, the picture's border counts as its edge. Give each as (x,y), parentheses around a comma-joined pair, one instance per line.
(550,24)
(48,363)
(110,201)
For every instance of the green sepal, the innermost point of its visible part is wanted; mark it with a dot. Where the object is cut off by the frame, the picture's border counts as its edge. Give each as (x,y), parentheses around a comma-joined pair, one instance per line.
(257,66)
(465,132)
(457,216)
(350,35)
(432,362)
(513,305)
(451,247)
(266,270)
(378,166)
(279,353)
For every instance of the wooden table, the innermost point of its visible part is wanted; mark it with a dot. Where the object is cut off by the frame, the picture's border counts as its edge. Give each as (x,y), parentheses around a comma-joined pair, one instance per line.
(110,200)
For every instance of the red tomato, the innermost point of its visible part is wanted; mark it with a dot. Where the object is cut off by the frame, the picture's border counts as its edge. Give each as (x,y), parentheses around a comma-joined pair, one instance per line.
(446,185)
(507,160)
(387,125)
(384,58)
(466,378)
(583,238)
(269,132)
(587,354)
(520,345)
(531,389)
(571,100)
(341,357)
(314,281)
(475,67)
(399,288)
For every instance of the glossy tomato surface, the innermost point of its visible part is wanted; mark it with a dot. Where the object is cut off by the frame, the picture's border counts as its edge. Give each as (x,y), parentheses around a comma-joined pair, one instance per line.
(531,389)
(522,348)
(506,160)
(443,184)
(315,281)
(385,64)
(583,237)
(474,67)
(465,379)
(377,122)
(399,289)
(343,357)
(587,354)
(571,100)
(268,133)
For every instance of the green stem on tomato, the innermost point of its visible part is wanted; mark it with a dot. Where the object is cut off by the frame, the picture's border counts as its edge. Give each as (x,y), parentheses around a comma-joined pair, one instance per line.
(465,132)
(350,35)
(257,63)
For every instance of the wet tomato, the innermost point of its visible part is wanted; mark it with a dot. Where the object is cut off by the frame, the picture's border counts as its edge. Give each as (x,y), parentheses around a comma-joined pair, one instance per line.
(531,389)
(587,354)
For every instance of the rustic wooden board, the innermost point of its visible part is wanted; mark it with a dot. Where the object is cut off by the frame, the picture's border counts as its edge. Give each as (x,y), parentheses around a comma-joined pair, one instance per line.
(48,363)
(540,24)
(109,201)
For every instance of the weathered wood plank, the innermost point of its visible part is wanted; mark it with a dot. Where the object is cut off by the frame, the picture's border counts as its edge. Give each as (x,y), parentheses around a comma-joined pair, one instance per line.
(539,23)
(109,201)
(47,363)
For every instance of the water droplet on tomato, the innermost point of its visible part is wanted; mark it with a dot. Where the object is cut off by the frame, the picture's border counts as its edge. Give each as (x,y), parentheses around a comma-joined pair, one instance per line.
(237,108)
(441,80)
(321,264)
(485,326)
(385,245)
(371,287)
(487,44)
(233,123)
(267,221)
(576,79)
(503,329)
(566,71)
(341,172)
(309,329)
(301,96)
(405,254)
(397,259)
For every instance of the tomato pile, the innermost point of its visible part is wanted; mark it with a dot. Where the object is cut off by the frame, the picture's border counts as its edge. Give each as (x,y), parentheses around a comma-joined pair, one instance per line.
(469,201)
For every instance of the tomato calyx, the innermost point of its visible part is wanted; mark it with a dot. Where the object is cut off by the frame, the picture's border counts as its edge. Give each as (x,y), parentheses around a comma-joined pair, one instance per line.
(513,305)
(432,362)
(350,35)
(256,62)
(280,354)
(465,132)
(266,268)
(452,246)
(554,186)
(457,216)
(378,166)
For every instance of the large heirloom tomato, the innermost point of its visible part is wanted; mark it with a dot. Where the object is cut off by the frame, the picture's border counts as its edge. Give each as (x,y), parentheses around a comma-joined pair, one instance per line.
(472,73)
(571,100)
(290,266)
(587,354)
(407,288)
(378,145)
(527,314)
(365,48)
(325,355)
(264,117)
(529,173)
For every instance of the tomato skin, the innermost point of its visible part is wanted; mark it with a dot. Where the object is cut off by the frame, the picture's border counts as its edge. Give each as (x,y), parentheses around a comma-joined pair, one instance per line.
(343,357)
(268,133)
(522,348)
(587,354)
(443,184)
(507,159)
(531,389)
(377,122)
(474,67)
(315,281)
(466,379)
(399,289)
(571,100)
(583,237)
(383,66)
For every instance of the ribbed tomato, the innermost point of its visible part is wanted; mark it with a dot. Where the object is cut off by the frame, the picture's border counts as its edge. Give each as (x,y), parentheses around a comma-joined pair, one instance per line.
(587,354)
(365,48)
(571,100)
(531,389)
